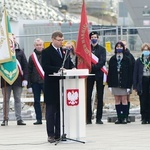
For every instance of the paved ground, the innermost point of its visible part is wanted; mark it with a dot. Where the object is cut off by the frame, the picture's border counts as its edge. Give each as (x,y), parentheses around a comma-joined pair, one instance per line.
(108,136)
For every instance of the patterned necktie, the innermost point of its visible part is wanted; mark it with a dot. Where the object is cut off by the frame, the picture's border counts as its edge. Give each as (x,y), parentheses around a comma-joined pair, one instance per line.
(118,63)
(59,52)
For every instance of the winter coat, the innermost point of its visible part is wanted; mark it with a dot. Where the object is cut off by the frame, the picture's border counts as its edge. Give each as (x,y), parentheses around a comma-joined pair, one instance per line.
(137,76)
(51,63)
(100,52)
(34,76)
(125,80)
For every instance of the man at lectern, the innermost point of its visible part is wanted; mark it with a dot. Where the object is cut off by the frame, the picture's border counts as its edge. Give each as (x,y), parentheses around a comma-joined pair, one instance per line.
(100,52)
(52,62)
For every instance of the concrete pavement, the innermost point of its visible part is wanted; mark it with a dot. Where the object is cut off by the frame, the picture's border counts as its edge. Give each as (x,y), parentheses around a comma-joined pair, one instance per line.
(108,136)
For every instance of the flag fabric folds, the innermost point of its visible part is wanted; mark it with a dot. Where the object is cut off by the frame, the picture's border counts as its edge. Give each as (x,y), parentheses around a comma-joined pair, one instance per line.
(83,49)
(8,64)
(4,45)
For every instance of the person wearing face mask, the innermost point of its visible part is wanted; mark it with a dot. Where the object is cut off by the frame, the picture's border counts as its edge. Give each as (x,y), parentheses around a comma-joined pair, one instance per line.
(141,82)
(36,78)
(119,81)
(100,52)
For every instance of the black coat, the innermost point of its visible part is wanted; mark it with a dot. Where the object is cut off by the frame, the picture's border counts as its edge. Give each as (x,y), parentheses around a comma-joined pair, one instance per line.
(51,63)
(100,52)
(34,76)
(132,59)
(125,80)
(24,65)
(137,76)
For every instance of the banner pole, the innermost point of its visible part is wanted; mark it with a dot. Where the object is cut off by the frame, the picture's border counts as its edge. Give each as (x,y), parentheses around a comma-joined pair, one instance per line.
(5,105)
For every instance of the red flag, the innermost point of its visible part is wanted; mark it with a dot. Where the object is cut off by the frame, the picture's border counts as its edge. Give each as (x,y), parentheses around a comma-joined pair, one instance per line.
(83,49)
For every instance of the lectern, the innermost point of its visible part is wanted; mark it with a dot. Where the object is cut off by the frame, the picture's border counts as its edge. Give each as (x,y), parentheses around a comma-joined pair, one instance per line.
(74,103)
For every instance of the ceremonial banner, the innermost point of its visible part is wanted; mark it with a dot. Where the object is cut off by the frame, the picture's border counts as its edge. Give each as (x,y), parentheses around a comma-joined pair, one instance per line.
(5,51)
(83,49)
(8,69)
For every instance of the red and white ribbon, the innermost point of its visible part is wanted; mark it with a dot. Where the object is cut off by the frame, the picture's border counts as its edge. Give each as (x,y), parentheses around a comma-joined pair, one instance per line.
(104,70)
(19,67)
(37,65)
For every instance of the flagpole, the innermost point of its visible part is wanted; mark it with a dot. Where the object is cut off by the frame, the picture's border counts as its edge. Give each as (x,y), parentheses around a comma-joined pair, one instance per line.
(4,98)
(5,113)
(5,101)
(5,106)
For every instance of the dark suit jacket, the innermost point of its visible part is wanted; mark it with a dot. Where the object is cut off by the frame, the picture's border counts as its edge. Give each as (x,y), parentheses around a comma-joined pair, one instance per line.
(51,63)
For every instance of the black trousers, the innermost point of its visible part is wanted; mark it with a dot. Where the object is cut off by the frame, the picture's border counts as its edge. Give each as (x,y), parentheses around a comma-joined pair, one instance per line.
(53,120)
(100,92)
(145,98)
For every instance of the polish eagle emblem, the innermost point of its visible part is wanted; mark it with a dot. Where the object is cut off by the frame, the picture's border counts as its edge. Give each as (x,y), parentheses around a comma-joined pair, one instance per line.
(73,97)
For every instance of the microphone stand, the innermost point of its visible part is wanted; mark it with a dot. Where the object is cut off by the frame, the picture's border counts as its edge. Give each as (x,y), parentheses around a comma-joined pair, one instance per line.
(63,136)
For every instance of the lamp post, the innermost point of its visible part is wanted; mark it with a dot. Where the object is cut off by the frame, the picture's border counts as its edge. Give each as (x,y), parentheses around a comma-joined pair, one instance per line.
(65,14)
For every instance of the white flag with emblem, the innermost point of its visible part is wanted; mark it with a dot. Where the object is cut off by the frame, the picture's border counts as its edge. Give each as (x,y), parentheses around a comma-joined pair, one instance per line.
(5,49)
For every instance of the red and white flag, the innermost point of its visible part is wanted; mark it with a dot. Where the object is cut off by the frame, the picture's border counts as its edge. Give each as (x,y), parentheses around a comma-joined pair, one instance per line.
(83,49)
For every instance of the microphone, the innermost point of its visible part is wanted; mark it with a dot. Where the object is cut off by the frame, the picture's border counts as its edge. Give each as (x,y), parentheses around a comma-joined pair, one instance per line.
(66,52)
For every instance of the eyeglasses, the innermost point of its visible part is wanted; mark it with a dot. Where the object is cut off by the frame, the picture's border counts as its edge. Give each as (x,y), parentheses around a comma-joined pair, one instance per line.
(59,40)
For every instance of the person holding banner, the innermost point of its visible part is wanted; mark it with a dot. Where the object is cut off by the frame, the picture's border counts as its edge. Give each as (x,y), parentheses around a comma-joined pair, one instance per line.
(52,62)
(17,86)
(100,53)
(36,78)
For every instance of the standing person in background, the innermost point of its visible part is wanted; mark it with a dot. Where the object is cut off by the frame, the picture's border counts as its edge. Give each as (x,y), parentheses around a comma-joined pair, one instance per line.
(132,59)
(71,47)
(52,60)
(36,78)
(100,53)
(141,82)
(17,86)
(119,81)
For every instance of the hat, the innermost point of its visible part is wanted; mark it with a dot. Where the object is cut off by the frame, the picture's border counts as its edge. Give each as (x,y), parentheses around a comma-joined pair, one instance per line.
(92,33)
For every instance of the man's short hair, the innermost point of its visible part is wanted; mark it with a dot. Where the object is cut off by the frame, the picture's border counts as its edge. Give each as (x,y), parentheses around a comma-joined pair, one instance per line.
(57,33)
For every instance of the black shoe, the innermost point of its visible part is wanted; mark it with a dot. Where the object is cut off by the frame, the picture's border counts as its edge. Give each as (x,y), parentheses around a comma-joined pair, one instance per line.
(118,121)
(124,121)
(4,123)
(148,121)
(37,122)
(57,138)
(51,139)
(143,121)
(20,122)
(99,122)
(89,122)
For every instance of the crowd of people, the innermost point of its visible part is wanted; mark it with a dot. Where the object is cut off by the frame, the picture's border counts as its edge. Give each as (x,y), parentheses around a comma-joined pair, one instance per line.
(124,75)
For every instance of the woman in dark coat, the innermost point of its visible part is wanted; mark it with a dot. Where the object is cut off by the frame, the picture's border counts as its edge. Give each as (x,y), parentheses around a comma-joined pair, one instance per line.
(141,82)
(119,81)
(52,60)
